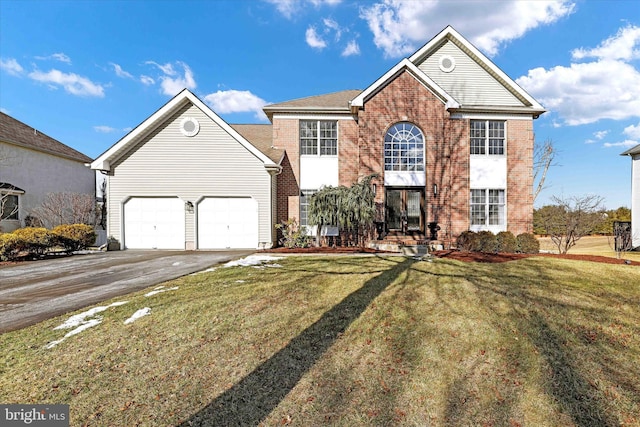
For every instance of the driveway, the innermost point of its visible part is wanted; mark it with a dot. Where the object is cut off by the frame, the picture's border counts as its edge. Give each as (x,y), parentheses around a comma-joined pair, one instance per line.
(34,291)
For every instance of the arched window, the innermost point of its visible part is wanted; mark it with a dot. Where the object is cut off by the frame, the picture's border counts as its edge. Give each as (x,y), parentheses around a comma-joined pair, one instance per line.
(404,148)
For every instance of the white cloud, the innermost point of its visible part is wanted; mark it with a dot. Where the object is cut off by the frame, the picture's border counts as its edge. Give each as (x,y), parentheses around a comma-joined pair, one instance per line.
(625,45)
(71,82)
(626,144)
(104,129)
(584,92)
(351,49)
(399,27)
(235,101)
(11,66)
(632,131)
(146,80)
(120,72)
(289,8)
(600,134)
(172,81)
(56,57)
(314,40)
(331,24)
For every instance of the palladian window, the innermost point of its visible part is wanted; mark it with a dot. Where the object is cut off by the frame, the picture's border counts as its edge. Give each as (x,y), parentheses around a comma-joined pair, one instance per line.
(404,148)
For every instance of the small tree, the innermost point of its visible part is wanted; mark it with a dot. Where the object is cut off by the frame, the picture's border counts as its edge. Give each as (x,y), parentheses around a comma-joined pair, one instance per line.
(570,219)
(67,208)
(543,156)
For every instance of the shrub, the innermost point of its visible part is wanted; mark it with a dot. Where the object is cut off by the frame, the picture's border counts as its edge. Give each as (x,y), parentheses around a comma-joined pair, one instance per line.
(74,237)
(528,244)
(11,246)
(294,236)
(467,241)
(486,242)
(506,242)
(38,240)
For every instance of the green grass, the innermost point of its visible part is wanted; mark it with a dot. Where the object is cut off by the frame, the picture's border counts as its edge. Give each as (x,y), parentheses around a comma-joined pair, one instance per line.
(352,341)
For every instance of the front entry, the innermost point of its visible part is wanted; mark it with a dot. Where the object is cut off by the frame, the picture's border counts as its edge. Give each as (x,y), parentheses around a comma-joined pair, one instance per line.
(404,212)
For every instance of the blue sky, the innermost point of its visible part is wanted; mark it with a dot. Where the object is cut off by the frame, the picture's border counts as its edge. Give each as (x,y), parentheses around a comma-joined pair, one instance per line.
(86,72)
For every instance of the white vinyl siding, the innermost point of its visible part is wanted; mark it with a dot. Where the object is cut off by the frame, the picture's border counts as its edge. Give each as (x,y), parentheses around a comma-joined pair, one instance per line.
(468,83)
(166,163)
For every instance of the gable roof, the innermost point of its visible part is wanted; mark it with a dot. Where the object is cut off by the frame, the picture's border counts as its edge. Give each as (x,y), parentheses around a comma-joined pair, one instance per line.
(336,102)
(450,34)
(103,162)
(15,132)
(404,65)
(261,137)
(632,151)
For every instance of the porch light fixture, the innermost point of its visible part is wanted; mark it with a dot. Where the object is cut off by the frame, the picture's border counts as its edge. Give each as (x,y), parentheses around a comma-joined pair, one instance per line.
(375,189)
(435,189)
(188,207)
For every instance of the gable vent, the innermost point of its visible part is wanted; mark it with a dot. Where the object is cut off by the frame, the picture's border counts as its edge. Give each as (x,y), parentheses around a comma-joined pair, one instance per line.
(189,126)
(447,63)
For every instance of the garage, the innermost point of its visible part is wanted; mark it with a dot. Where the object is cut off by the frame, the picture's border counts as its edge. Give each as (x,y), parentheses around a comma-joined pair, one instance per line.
(154,223)
(227,222)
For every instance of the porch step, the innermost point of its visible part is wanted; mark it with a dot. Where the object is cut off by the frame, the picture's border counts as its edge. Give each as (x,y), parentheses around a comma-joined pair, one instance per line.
(412,248)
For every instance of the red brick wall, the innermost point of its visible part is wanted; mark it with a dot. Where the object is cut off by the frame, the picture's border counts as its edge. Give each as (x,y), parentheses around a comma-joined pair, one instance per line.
(348,155)
(520,176)
(286,136)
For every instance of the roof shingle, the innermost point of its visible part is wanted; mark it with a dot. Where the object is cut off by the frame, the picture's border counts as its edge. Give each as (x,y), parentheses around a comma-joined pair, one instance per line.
(15,132)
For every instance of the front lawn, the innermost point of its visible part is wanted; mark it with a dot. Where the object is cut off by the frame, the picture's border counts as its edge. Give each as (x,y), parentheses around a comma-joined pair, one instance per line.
(349,341)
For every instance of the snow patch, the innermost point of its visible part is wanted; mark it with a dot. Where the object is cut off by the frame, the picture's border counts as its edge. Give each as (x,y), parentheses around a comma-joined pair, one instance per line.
(86,325)
(159,290)
(138,314)
(177,263)
(79,319)
(208,270)
(252,260)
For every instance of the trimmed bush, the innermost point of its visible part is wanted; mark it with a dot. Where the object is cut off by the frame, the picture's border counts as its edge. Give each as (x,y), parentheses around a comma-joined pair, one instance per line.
(506,242)
(486,242)
(467,241)
(74,237)
(38,240)
(528,244)
(11,246)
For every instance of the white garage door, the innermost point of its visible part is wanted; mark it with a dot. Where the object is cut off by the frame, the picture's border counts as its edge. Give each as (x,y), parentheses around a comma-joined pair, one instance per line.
(227,222)
(154,223)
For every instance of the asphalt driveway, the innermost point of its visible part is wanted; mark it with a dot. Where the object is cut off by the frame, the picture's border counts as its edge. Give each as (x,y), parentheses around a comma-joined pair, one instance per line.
(34,291)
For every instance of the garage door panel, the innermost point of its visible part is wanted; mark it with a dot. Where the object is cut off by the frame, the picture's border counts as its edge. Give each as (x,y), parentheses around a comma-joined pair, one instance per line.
(227,222)
(154,223)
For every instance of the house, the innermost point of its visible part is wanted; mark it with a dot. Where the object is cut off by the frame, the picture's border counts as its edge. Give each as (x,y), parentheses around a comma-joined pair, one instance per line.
(447,133)
(634,153)
(185,179)
(32,165)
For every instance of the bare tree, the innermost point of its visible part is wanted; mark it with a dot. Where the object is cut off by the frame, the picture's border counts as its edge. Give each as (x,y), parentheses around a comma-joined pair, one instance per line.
(543,156)
(569,219)
(67,208)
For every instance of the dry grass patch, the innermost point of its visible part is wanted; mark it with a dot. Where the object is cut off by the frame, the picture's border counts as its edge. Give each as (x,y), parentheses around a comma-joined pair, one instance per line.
(352,341)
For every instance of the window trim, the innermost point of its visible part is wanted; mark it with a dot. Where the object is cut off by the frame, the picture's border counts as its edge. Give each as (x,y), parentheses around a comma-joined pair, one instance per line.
(318,138)
(418,167)
(486,147)
(486,205)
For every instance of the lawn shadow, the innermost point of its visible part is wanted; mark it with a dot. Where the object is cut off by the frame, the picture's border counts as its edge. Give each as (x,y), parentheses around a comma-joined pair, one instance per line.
(253,398)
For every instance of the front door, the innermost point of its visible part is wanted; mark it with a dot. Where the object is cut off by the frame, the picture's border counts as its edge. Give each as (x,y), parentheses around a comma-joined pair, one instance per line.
(404,210)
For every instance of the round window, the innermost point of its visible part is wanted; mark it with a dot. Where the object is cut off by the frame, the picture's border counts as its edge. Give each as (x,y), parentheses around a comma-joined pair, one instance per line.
(189,126)
(447,63)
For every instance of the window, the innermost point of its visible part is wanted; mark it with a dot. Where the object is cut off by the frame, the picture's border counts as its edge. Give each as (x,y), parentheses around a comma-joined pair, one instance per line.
(404,148)
(487,207)
(305,195)
(9,206)
(318,137)
(487,137)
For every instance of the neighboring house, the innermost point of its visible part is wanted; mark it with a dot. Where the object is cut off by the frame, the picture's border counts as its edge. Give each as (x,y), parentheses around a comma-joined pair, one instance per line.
(185,179)
(449,135)
(33,165)
(634,153)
